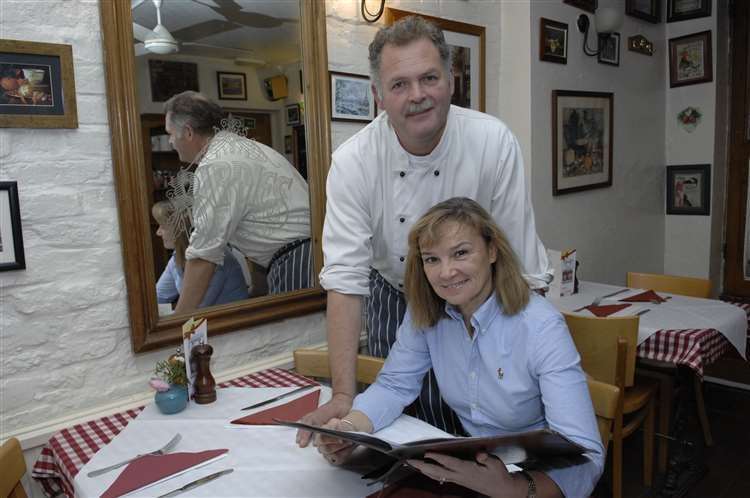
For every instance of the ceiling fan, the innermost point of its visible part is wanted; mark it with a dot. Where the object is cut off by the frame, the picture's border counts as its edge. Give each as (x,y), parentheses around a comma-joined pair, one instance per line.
(160,41)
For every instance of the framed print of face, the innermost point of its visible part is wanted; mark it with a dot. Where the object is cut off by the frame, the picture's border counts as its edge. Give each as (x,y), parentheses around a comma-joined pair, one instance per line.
(11,239)
(689,189)
(690,59)
(553,41)
(582,131)
(37,87)
(351,97)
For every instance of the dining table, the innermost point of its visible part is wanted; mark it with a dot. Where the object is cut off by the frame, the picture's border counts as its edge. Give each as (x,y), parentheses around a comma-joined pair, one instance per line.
(689,333)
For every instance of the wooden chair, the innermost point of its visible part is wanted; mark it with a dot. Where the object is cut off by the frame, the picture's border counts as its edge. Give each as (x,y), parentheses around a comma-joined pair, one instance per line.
(684,286)
(314,363)
(606,397)
(597,341)
(13,468)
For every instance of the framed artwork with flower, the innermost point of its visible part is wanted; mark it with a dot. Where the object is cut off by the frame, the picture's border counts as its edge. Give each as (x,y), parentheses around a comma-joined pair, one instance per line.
(690,59)
(689,189)
(688,118)
(553,41)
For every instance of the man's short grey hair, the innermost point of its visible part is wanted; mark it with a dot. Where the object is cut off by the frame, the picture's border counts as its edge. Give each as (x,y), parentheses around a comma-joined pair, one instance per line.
(403,32)
(195,109)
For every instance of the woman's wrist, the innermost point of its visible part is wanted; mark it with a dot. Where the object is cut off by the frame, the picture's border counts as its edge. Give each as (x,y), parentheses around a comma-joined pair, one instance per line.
(357,421)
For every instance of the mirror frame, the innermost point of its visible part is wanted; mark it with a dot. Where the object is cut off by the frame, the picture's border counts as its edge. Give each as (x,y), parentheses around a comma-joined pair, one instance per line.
(149,330)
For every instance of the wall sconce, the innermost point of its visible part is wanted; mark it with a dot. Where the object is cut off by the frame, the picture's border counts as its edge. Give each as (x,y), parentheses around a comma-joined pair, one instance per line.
(607,20)
(640,44)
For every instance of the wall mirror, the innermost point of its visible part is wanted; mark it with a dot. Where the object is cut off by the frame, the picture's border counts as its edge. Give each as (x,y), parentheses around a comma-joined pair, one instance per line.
(265,63)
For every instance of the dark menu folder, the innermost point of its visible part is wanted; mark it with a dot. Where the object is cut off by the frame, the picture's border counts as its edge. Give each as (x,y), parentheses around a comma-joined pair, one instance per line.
(514,448)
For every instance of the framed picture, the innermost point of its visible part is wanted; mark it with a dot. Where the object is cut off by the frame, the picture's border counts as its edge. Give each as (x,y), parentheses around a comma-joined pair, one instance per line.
(587,5)
(648,10)
(293,117)
(682,10)
(287,144)
(609,49)
(38,88)
(11,240)
(689,189)
(690,59)
(582,125)
(553,41)
(351,97)
(467,42)
(231,86)
(171,77)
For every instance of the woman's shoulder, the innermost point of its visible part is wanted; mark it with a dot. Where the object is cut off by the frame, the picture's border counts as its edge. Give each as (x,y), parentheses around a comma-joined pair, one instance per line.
(539,315)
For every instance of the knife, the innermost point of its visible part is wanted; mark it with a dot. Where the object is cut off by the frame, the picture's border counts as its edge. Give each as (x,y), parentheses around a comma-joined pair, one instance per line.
(280,396)
(197,482)
(615,293)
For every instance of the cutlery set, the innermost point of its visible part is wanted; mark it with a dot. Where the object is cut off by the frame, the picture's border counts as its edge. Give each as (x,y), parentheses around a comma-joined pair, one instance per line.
(599,299)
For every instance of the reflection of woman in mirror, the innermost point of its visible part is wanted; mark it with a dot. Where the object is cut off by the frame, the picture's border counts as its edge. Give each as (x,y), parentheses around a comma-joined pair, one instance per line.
(228,282)
(502,355)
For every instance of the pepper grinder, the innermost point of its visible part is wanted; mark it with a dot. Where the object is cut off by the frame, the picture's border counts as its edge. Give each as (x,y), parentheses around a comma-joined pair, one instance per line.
(205,386)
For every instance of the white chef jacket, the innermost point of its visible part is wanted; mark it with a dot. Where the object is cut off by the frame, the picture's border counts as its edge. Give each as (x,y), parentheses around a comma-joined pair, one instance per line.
(376,191)
(246,195)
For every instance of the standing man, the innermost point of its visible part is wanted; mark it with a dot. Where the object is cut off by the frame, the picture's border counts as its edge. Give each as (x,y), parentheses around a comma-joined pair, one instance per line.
(419,152)
(246,195)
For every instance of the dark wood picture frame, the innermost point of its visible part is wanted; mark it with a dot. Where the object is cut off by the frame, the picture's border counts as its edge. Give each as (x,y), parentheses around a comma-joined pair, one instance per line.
(581,155)
(690,59)
(587,5)
(45,96)
(552,36)
(652,14)
(168,78)
(676,13)
(293,115)
(605,55)
(685,183)
(463,92)
(353,110)
(11,235)
(225,92)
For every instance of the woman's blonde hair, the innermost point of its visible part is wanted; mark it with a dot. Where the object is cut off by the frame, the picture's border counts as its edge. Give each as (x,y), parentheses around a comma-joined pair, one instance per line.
(426,306)
(164,214)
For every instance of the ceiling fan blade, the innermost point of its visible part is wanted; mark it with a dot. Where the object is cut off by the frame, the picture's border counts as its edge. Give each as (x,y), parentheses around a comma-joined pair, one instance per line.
(230,9)
(140,32)
(204,30)
(140,49)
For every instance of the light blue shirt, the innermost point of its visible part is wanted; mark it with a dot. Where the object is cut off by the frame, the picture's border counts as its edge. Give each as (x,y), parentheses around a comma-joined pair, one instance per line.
(226,286)
(517,373)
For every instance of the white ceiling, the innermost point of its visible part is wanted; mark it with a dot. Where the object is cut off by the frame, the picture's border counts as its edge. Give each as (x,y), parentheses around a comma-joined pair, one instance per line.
(266,30)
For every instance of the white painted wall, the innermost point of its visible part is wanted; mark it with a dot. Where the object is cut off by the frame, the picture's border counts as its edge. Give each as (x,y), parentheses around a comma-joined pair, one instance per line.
(619,228)
(687,239)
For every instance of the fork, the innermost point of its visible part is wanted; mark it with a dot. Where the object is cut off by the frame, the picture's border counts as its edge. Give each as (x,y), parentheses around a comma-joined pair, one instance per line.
(599,299)
(161,451)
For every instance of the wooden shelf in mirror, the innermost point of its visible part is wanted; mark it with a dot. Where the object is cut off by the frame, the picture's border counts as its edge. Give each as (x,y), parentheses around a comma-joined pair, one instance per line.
(135,194)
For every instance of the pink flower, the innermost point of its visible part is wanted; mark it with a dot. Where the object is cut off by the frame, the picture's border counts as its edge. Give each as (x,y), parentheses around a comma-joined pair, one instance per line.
(158,384)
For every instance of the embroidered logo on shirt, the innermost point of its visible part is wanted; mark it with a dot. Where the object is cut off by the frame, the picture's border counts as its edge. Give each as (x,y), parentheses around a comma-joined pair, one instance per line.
(500,373)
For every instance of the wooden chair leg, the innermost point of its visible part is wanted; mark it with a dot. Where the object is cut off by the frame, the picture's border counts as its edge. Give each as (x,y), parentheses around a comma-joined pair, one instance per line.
(701,407)
(666,388)
(648,444)
(617,463)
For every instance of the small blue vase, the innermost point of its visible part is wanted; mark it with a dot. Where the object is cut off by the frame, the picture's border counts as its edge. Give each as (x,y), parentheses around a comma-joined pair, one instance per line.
(173,400)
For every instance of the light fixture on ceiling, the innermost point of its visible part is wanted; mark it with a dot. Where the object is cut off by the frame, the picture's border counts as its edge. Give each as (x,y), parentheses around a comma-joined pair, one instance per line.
(607,20)
(160,41)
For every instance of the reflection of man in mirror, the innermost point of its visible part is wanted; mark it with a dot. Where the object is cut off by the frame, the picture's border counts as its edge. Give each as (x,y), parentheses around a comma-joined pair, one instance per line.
(419,152)
(246,195)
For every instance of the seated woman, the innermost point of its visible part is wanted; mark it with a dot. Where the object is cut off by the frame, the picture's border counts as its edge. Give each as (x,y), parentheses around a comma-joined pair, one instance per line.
(502,355)
(228,283)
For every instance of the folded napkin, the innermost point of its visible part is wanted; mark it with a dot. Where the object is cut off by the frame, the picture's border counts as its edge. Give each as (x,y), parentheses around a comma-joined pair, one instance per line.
(150,469)
(604,310)
(420,486)
(644,297)
(294,410)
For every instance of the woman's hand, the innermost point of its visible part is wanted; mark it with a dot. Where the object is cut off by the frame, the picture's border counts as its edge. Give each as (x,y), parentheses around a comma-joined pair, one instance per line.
(485,474)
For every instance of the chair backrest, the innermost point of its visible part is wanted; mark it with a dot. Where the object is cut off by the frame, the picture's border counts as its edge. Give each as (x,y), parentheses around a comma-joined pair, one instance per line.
(314,363)
(12,469)
(596,341)
(607,398)
(684,286)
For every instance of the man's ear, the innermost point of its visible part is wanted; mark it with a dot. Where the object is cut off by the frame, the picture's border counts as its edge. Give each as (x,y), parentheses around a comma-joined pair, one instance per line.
(377,97)
(451,81)
(187,132)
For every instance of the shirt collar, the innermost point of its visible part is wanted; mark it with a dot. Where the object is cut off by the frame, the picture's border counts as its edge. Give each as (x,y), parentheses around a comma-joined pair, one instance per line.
(433,157)
(482,317)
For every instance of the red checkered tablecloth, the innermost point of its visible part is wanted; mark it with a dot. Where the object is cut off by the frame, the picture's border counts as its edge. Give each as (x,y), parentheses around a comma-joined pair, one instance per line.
(70,449)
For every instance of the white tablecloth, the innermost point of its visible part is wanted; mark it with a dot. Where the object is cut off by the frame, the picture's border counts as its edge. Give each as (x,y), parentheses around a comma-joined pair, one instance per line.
(677,313)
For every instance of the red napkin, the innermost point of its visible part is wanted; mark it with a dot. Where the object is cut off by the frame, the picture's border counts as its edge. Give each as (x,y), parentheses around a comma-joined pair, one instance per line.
(421,486)
(644,297)
(152,468)
(605,310)
(294,410)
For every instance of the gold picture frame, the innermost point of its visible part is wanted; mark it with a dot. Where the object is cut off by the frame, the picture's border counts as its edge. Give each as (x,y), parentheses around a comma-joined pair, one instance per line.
(38,89)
